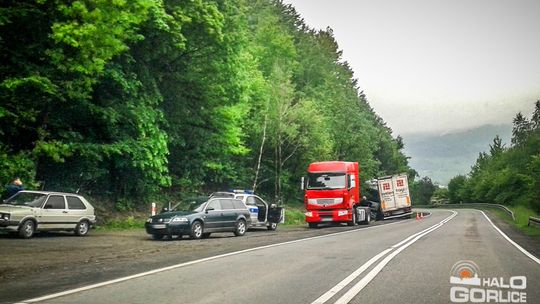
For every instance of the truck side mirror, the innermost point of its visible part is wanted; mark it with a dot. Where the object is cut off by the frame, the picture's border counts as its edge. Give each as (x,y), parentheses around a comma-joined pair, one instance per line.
(302,185)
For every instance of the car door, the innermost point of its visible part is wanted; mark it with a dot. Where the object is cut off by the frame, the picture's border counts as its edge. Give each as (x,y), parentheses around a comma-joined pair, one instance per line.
(75,208)
(213,216)
(263,209)
(54,213)
(229,213)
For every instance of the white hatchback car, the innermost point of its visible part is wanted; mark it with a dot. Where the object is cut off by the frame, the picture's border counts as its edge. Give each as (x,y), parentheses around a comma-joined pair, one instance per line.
(29,211)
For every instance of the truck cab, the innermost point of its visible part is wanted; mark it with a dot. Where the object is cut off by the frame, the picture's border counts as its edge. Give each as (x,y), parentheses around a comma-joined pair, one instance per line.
(332,194)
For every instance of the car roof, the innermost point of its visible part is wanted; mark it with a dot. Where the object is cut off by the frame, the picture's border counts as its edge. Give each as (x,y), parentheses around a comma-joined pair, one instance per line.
(49,192)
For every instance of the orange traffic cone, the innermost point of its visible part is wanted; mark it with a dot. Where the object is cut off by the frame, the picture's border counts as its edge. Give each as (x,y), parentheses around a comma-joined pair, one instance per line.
(417,216)
(421,215)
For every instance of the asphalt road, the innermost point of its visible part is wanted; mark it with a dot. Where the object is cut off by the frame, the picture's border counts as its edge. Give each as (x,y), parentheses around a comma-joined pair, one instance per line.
(400,262)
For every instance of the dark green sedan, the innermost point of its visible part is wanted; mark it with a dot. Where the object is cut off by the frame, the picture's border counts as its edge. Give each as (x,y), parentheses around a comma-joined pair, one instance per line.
(204,217)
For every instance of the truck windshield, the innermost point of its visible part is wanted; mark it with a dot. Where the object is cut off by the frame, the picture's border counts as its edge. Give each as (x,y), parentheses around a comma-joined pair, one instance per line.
(321,181)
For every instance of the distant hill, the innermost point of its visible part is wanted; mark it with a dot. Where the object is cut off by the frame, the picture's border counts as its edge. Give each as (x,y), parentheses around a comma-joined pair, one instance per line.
(443,156)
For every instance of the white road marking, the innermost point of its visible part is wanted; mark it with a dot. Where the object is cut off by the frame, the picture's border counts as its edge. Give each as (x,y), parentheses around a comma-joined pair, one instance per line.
(525,252)
(329,294)
(135,276)
(351,293)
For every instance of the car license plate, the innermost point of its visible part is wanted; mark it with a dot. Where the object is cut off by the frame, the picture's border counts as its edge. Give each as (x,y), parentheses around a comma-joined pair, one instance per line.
(159,226)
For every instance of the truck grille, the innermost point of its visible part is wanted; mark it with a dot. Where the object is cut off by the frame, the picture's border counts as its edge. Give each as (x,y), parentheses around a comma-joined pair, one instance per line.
(325,201)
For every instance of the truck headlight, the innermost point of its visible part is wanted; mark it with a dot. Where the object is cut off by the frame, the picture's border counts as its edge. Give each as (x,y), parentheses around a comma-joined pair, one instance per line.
(149,220)
(180,220)
(309,214)
(5,216)
(342,212)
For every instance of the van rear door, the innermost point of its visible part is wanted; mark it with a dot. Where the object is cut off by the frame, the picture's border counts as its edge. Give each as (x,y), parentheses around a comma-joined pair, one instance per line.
(386,191)
(401,191)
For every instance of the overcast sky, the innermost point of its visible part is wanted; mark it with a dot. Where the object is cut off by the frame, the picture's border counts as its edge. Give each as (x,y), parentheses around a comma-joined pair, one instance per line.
(431,65)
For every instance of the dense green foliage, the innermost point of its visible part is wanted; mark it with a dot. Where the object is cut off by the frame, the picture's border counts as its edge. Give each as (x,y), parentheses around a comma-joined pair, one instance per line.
(132,100)
(508,176)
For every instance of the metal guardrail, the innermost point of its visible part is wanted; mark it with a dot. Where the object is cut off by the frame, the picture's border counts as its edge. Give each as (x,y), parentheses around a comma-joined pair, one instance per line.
(504,208)
(533,220)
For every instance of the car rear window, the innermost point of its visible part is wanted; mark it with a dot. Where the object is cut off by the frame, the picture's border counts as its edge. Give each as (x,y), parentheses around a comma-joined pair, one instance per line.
(75,203)
(55,202)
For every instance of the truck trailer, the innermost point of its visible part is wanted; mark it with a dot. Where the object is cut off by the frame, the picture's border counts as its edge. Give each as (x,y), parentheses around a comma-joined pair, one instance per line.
(391,197)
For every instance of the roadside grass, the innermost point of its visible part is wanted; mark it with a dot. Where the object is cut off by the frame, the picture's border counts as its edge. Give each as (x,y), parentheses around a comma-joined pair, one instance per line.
(294,216)
(130,222)
(522,213)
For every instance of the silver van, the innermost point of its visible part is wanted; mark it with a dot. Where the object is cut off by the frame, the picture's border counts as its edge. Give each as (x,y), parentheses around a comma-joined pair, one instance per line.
(29,211)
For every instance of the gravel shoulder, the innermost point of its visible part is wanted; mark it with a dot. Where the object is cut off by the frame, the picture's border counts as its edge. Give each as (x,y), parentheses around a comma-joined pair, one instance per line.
(55,262)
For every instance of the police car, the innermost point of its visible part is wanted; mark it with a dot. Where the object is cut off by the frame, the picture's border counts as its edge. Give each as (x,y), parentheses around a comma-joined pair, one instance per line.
(262,214)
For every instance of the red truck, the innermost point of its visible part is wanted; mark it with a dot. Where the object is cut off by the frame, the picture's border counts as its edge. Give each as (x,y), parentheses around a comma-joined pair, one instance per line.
(332,194)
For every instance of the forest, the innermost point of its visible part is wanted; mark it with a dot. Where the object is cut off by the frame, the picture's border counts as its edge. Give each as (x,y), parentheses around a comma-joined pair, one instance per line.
(505,175)
(129,101)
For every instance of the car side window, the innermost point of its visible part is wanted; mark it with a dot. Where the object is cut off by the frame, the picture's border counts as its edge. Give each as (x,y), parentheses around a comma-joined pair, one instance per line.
(238,205)
(75,203)
(258,201)
(214,204)
(55,202)
(250,201)
(227,204)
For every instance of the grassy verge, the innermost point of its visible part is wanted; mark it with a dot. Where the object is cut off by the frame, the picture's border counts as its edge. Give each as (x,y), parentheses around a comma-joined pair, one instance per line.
(522,214)
(294,216)
(129,222)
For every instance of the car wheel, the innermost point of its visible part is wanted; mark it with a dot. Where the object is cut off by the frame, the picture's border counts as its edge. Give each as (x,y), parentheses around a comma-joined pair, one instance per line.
(206,235)
(272,226)
(240,228)
(196,230)
(353,221)
(82,228)
(27,229)
(313,225)
(157,236)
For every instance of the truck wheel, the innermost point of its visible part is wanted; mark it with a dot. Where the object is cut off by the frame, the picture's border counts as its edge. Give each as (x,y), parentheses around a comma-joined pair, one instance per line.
(368,218)
(353,221)
(240,228)
(313,225)
(196,230)
(27,229)
(272,226)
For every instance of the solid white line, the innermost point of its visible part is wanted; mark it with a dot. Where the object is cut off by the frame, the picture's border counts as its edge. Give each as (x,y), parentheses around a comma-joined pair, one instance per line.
(142,274)
(329,294)
(525,252)
(332,292)
(351,293)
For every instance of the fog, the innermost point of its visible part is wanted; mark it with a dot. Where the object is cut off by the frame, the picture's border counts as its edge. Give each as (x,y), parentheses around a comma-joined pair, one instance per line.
(437,66)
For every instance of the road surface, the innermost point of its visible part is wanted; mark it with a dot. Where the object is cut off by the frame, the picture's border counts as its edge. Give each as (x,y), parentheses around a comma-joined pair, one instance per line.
(400,262)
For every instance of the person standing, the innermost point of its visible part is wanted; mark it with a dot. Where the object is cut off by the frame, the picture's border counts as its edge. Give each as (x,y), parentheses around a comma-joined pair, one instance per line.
(15,186)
